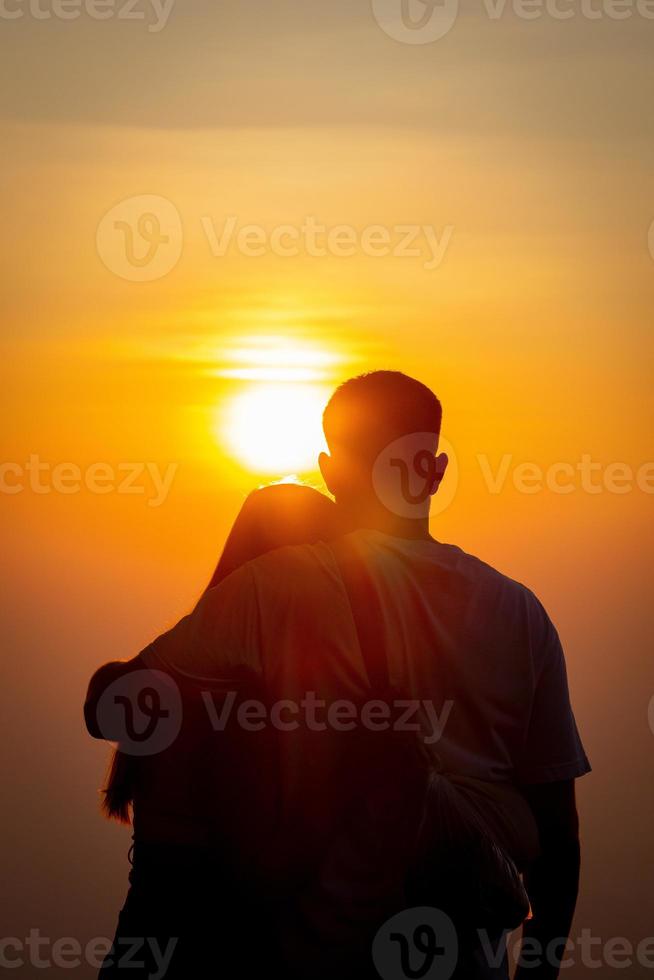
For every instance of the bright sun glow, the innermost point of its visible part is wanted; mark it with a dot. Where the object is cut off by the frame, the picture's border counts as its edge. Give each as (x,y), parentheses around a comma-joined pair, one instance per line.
(273,423)
(276,428)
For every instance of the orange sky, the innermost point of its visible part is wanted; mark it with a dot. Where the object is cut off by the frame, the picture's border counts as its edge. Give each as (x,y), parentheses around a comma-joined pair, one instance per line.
(528,141)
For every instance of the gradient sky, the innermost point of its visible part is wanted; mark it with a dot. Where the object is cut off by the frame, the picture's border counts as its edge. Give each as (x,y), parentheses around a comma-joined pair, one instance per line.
(532,141)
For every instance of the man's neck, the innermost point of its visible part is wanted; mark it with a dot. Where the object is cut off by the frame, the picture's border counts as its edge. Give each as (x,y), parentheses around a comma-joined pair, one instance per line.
(415,529)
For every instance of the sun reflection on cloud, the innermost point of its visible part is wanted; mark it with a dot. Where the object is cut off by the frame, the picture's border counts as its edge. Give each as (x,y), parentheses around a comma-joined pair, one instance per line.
(276,358)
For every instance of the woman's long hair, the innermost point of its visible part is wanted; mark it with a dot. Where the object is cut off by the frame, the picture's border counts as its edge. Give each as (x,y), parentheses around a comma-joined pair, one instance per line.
(118,791)
(271,517)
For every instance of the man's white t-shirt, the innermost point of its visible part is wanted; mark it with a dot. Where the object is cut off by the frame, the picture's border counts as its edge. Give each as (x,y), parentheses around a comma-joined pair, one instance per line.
(475,648)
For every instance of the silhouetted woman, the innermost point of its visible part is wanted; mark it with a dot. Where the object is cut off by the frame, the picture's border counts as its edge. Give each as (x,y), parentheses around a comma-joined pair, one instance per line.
(193,908)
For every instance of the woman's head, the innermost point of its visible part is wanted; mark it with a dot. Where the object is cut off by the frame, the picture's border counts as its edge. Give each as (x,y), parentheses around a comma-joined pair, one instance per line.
(275,516)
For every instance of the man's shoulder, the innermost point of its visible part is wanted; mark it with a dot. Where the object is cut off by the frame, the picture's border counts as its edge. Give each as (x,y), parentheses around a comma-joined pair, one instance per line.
(294,572)
(490,579)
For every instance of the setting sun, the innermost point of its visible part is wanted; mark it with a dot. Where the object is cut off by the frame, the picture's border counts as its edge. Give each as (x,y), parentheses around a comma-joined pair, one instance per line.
(275,428)
(272,423)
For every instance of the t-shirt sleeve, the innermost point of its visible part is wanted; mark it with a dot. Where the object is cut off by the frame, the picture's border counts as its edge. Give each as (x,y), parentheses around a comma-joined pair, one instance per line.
(552,749)
(221,634)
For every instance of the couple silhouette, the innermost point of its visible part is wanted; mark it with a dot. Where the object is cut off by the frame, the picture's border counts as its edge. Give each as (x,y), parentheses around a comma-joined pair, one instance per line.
(293,812)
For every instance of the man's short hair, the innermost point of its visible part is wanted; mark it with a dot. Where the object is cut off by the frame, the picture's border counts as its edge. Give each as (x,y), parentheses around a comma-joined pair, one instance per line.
(368,412)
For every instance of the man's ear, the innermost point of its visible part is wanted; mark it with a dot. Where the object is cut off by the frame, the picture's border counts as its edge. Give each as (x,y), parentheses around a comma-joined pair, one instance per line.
(326,464)
(441,462)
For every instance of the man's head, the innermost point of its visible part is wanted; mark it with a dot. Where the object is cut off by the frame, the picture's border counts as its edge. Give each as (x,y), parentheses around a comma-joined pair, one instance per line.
(364,416)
